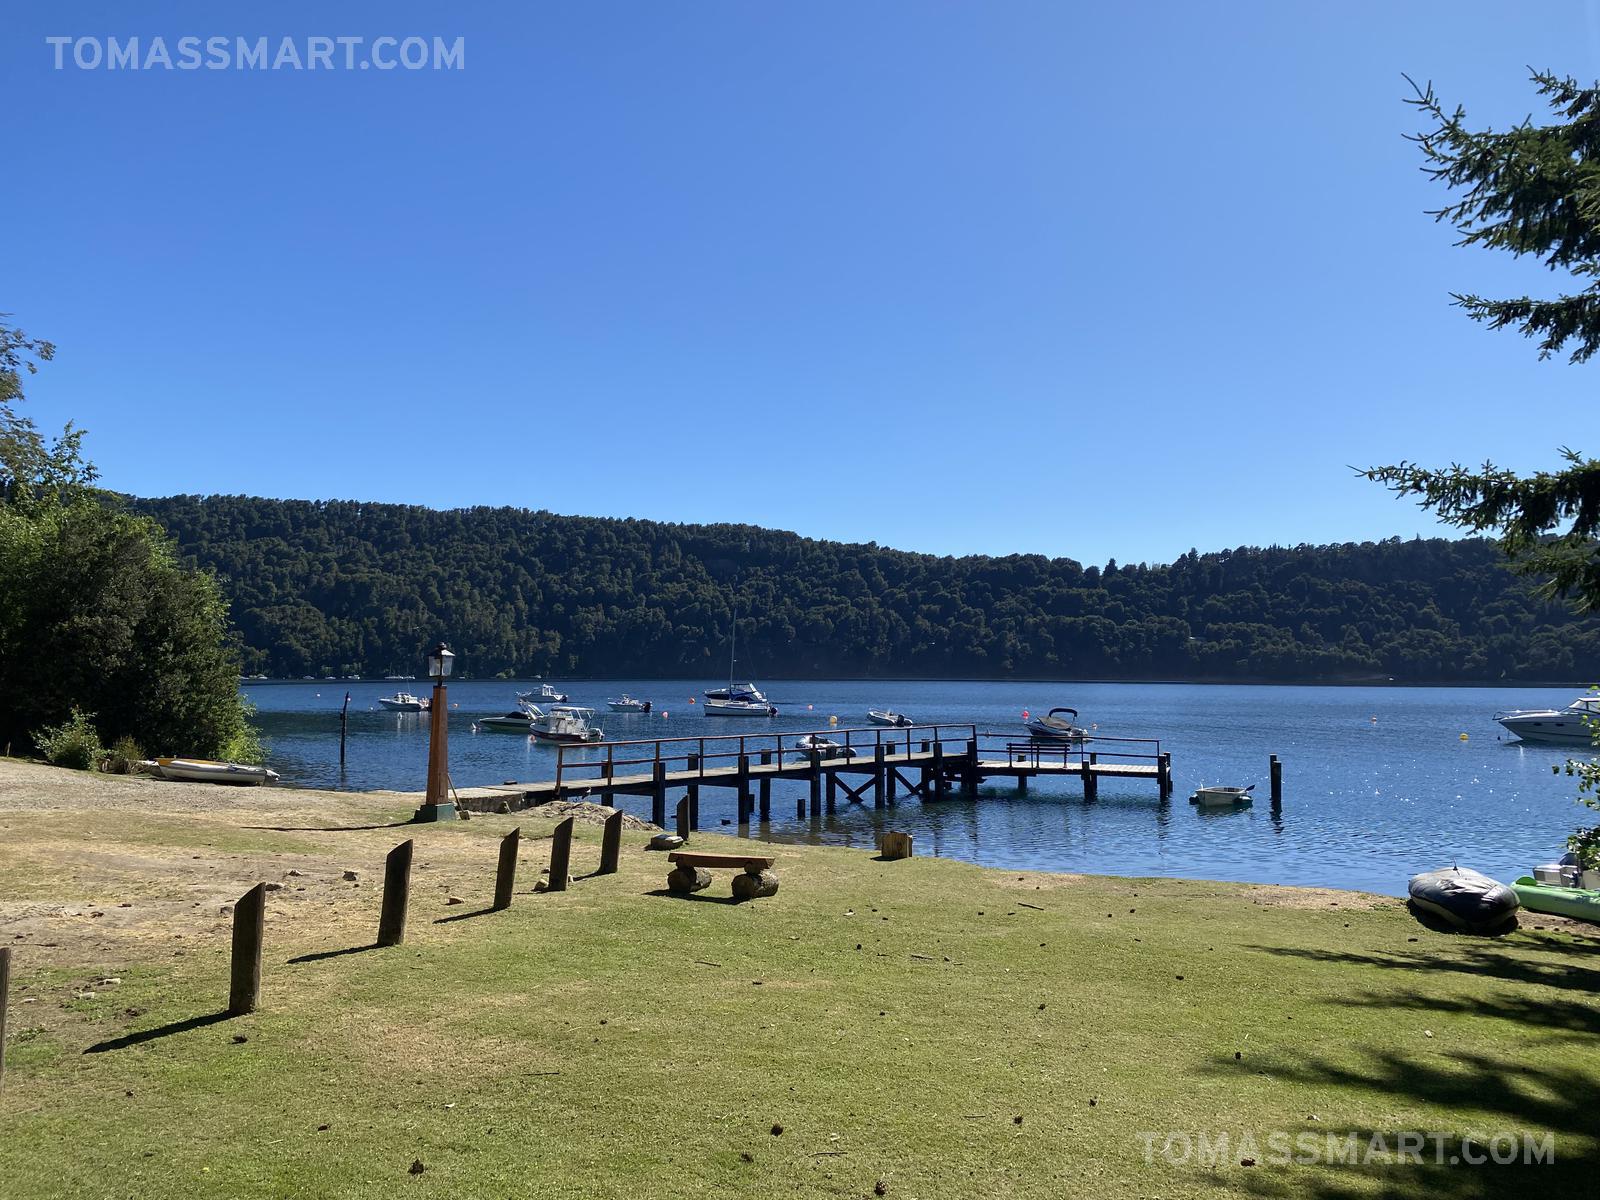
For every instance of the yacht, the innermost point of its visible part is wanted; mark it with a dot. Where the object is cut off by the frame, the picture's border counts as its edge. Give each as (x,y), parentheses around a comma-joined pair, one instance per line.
(627,704)
(1574,725)
(566,723)
(403,702)
(545,693)
(740,707)
(737,699)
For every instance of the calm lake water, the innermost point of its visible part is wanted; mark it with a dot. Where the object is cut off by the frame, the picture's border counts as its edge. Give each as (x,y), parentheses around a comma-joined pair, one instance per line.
(1377,781)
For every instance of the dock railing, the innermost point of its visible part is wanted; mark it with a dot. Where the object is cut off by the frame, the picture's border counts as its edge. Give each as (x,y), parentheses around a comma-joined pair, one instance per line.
(1090,749)
(595,764)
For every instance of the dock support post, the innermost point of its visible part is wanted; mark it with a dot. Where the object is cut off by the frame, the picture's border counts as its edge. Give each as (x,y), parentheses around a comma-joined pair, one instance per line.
(505,876)
(682,816)
(610,845)
(744,789)
(1276,768)
(816,783)
(658,794)
(1164,774)
(878,773)
(694,794)
(561,856)
(938,768)
(833,789)
(1091,781)
(1022,785)
(396,895)
(249,929)
(766,787)
(969,773)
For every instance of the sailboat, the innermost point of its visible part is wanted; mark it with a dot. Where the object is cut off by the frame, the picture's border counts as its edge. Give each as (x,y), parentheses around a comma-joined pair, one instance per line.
(741,699)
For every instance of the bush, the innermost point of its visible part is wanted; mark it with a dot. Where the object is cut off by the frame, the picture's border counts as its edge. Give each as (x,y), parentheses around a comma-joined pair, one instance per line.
(122,756)
(73,744)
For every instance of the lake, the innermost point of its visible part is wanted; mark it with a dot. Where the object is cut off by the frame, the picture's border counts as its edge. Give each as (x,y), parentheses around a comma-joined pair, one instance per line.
(1377,782)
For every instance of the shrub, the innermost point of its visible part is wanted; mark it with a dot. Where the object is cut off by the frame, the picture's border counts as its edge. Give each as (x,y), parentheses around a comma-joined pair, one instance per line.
(73,744)
(122,756)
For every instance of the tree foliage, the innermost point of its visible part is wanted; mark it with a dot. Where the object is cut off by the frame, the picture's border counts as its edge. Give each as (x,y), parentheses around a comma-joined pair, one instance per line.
(341,588)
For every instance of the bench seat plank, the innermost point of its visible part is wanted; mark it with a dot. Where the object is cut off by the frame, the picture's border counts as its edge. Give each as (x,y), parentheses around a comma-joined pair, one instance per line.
(691,858)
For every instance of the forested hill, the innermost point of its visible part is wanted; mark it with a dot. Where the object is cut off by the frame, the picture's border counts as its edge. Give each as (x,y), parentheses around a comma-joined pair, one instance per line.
(345,588)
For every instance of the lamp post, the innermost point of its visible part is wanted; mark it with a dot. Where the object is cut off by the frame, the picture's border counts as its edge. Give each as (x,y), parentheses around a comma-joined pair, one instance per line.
(437,806)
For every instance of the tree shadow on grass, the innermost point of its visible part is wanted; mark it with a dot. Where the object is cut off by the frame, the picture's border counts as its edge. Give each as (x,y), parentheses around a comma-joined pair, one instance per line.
(1471,960)
(1576,1018)
(161,1031)
(466,916)
(328,828)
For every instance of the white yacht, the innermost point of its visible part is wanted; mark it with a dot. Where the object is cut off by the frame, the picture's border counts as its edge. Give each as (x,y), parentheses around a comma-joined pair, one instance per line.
(403,702)
(545,693)
(1054,727)
(521,721)
(627,704)
(742,707)
(1574,725)
(567,723)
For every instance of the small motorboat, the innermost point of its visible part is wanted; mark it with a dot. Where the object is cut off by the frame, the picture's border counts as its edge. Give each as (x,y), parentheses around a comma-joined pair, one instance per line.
(205,770)
(403,702)
(1215,797)
(738,708)
(1054,727)
(883,716)
(567,723)
(627,704)
(543,692)
(1574,725)
(521,721)
(1464,898)
(826,747)
(1581,903)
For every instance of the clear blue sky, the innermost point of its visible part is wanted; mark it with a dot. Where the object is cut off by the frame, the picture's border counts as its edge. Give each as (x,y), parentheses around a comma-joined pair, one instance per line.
(1087,280)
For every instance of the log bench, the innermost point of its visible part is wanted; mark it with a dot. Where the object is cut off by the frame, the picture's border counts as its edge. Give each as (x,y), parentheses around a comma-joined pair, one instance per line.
(692,871)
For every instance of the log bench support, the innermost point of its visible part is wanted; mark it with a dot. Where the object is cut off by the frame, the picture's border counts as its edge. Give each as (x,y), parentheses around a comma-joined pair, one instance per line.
(691,872)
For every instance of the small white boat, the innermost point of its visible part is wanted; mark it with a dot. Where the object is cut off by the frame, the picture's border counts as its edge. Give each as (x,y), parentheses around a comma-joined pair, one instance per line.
(738,708)
(824,746)
(403,702)
(627,704)
(543,692)
(1215,797)
(1054,728)
(205,770)
(883,716)
(567,723)
(1573,725)
(521,721)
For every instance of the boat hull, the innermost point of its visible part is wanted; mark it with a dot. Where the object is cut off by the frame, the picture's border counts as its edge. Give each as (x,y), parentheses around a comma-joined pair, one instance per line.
(1580,903)
(501,725)
(735,708)
(205,770)
(1555,729)
(894,720)
(415,706)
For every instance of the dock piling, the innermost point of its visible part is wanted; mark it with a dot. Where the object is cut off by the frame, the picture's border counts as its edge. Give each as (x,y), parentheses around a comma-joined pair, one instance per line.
(658,794)
(1276,769)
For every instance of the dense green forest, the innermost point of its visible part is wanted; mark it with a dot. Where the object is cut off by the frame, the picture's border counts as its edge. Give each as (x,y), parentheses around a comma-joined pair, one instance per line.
(343,588)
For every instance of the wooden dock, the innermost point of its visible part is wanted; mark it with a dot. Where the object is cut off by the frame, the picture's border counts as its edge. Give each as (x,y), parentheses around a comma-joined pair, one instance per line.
(877,763)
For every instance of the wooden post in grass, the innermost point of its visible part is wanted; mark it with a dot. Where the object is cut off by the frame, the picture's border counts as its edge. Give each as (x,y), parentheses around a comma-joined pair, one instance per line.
(5,992)
(249,929)
(610,845)
(1276,769)
(396,895)
(561,856)
(505,876)
(682,816)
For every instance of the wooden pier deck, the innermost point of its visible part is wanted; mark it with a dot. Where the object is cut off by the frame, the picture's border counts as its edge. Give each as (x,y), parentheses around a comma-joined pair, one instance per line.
(877,763)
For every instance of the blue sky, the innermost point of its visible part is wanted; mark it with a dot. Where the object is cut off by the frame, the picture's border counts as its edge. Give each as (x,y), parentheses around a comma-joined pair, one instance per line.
(1098,281)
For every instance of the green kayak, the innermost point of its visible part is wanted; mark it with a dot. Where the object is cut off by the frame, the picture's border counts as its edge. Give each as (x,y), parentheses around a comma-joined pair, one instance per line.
(1564,901)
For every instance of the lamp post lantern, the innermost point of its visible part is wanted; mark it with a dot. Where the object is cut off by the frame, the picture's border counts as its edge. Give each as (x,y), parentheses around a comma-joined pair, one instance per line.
(437,806)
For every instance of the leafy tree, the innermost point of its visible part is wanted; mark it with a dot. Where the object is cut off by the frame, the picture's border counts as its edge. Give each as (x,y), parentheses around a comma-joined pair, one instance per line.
(96,613)
(1531,189)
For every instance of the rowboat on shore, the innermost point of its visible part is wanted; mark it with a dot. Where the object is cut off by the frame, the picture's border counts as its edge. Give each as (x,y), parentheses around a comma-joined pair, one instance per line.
(205,770)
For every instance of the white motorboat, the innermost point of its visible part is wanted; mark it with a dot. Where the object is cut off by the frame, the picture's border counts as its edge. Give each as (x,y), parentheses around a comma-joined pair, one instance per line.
(1574,725)
(1215,797)
(205,770)
(567,723)
(1053,727)
(545,693)
(882,716)
(521,721)
(403,702)
(738,708)
(826,747)
(627,704)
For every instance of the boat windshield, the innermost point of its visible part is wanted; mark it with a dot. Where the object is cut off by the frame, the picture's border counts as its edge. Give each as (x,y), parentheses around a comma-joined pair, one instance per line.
(1586,704)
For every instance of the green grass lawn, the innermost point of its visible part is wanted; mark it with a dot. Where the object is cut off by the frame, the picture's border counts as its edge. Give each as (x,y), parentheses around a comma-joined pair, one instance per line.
(927,1027)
